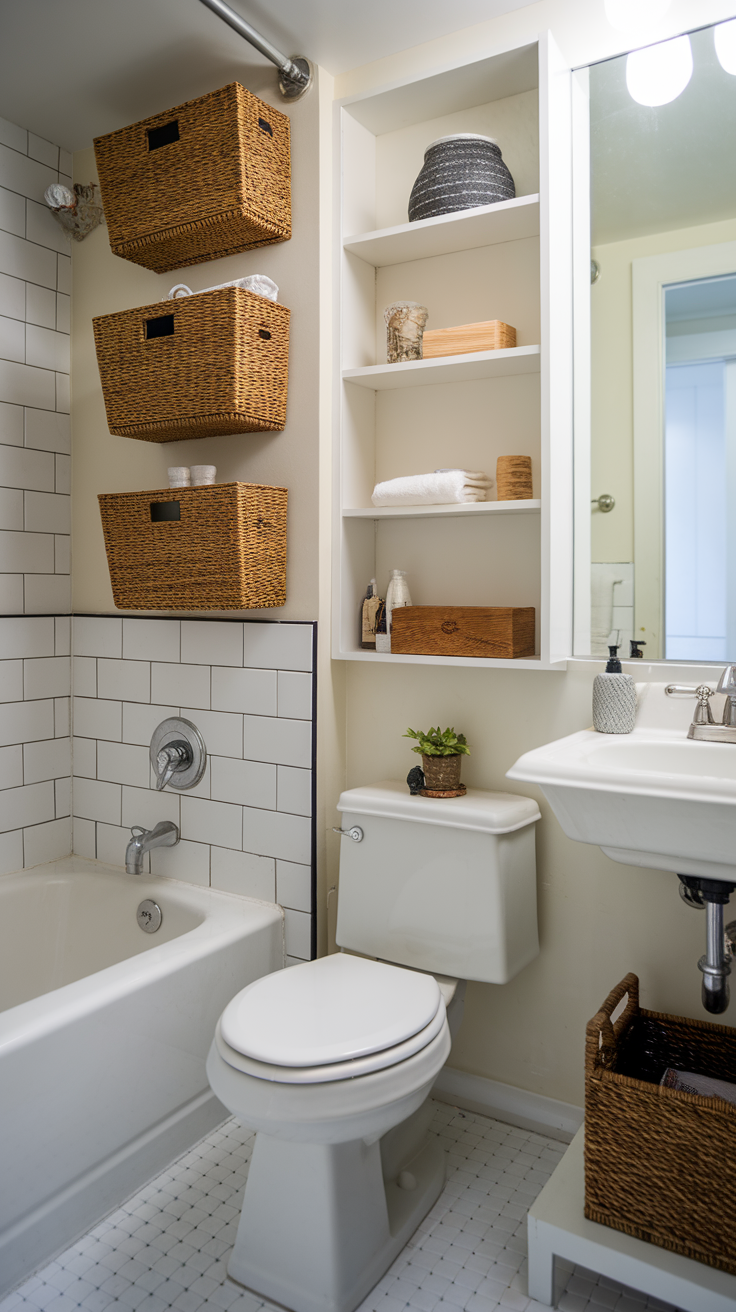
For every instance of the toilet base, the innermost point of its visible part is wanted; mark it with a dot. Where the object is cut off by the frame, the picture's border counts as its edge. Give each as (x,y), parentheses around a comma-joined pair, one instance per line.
(320,1226)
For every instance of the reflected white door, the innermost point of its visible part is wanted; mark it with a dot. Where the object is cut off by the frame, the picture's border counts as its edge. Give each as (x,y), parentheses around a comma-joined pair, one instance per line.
(696,476)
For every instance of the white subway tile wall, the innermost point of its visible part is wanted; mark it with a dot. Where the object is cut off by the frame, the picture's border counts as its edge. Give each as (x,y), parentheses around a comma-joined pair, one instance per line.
(247,828)
(35,747)
(35,489)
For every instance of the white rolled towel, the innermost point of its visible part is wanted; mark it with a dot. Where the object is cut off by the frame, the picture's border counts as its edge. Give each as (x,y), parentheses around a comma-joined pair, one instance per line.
(255,282)
(439,488)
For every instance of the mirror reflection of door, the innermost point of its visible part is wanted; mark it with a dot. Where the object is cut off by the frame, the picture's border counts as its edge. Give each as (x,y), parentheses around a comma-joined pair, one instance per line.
(699,470)
(655,207)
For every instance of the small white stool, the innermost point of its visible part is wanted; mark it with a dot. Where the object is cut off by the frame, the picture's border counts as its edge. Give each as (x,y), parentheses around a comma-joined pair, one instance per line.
(558,1228)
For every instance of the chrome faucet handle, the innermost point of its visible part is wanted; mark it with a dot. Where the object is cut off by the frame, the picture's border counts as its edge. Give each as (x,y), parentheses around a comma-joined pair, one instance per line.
(175,756)
(703,714)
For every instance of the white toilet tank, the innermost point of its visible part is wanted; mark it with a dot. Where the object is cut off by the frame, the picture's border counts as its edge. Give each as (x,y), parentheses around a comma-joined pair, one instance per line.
(441,884)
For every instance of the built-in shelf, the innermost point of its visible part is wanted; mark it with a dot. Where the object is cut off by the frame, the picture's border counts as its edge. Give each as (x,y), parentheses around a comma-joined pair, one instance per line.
(469,662)
(446,369)
(459,511)
(509,220)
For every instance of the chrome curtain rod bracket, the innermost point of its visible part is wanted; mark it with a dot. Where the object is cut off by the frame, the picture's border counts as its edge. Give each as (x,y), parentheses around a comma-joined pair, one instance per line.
(295,74)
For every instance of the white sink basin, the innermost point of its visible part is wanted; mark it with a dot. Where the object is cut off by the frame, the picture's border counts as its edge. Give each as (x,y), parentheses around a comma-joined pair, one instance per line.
(650,798)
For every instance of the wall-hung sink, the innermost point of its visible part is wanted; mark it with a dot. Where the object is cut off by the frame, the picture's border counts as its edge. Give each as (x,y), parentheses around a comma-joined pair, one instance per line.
(650,798)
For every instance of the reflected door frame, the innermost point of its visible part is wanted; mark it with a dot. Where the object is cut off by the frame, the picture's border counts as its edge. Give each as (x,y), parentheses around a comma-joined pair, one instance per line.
(650,276)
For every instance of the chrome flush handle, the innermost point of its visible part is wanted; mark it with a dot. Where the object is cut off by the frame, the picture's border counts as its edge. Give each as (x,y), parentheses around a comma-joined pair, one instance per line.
(356,833)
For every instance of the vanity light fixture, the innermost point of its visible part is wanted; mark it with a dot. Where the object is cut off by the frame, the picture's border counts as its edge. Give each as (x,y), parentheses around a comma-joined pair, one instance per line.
(724,38)
(659,74)
(635,15)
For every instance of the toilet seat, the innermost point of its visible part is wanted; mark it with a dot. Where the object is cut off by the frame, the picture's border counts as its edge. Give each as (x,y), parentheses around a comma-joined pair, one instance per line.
(331,1019)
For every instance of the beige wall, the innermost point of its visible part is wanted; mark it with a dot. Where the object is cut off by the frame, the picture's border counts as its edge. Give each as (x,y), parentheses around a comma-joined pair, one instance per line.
(612,453)
(598,919)
(104,283)
(298,458)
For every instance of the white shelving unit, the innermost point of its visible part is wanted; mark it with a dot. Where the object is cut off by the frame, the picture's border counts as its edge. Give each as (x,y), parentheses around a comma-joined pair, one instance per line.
(509,261)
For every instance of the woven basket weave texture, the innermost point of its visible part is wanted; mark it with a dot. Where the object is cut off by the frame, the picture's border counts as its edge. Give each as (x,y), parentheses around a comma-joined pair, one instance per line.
(221,366)
(227,551)
(658,1161)
(219,183)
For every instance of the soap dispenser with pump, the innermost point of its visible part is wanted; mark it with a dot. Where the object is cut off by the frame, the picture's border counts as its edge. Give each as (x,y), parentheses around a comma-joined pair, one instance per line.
(614,697)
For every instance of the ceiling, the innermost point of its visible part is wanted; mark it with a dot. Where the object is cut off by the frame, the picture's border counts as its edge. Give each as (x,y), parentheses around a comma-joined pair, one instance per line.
(71,70)
(656,170)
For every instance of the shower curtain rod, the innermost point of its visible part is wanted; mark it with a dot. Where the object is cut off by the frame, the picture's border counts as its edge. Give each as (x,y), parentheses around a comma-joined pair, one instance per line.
(295,74)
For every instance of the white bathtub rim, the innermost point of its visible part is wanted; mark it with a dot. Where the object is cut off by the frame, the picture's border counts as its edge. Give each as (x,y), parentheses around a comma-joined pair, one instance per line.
(37,1017)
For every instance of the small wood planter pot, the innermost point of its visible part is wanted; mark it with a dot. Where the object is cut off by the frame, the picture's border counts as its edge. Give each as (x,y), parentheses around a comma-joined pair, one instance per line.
(201,366)
(658,1160)
(209,178)
(442,773)
(201,548)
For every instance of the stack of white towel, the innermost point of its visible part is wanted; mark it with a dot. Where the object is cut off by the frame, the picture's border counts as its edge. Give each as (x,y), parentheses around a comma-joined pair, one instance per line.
(441,487)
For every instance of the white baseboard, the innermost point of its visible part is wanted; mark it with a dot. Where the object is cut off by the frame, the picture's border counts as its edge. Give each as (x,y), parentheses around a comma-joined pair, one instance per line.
(40,1235)
(530,1111)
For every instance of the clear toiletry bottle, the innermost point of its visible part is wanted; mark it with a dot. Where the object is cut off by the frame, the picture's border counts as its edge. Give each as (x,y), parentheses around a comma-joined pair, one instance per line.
(368,612)
(614,697)
(397,594)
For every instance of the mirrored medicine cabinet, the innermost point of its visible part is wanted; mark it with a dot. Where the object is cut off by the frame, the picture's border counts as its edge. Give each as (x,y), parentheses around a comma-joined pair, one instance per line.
(654,235)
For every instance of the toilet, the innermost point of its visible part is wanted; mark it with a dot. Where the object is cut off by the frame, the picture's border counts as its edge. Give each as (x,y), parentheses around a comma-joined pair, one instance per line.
(331,1062)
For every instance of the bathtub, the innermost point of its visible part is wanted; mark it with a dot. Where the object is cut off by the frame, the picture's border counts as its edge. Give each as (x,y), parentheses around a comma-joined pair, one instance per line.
(104,1032)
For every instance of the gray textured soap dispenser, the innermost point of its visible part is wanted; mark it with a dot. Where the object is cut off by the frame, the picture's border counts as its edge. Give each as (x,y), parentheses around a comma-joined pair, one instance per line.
(614,698)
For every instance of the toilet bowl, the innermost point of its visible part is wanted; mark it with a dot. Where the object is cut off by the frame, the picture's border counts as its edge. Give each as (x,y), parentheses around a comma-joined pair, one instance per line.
(331,1061)
(353,1047)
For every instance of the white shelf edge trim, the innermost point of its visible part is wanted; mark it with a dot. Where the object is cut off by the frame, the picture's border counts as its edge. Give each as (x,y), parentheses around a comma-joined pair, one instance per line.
(447,368)
(508,220)
(457,510)
(470,662)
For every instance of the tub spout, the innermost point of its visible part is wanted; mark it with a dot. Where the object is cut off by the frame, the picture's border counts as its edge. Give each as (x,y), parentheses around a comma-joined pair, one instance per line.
(165,834)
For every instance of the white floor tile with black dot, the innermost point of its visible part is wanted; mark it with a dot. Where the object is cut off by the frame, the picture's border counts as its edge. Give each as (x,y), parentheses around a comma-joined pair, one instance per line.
(168,1246)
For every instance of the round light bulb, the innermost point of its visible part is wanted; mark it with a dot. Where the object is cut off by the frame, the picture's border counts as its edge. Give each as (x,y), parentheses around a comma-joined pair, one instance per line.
(635,15)
(724,37)
(660,73)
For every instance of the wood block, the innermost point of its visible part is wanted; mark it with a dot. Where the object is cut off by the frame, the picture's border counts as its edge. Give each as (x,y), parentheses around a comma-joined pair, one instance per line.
(490,631)
(492,335)
(514,478)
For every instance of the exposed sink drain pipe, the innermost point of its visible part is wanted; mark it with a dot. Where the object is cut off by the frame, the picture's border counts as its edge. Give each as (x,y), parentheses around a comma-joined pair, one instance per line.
(714,895)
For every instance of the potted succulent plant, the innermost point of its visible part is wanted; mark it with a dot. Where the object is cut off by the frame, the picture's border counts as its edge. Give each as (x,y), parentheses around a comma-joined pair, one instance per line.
(442,753)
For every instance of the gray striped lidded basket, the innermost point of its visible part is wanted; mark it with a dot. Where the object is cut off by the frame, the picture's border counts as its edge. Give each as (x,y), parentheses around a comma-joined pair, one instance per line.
(460,172)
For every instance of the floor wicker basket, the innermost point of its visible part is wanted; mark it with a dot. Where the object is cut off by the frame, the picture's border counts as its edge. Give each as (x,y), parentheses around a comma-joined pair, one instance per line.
(201,548)
(206,179)
(204,365)
(659,1162)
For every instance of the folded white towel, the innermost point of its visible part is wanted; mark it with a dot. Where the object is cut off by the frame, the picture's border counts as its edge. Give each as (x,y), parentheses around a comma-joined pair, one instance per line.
(441,487)
(255,282)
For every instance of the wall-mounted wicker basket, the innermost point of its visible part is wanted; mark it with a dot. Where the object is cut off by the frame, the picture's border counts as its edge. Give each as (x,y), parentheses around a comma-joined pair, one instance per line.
(657,1159)
(208,178)
(200,548)
(204,365)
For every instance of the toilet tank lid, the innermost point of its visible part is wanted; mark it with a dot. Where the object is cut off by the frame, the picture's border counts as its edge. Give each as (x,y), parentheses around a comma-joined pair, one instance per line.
(491,813)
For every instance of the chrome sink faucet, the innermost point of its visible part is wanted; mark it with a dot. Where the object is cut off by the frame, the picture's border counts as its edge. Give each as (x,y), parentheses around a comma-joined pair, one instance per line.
(165,834)
(704,727)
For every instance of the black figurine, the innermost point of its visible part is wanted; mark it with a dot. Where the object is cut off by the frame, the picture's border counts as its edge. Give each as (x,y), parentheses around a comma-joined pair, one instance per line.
(415,780)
